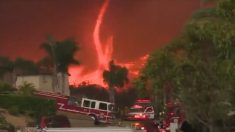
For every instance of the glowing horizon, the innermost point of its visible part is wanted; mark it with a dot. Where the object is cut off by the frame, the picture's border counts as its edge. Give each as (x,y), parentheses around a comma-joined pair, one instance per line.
(103,56)
(138,28)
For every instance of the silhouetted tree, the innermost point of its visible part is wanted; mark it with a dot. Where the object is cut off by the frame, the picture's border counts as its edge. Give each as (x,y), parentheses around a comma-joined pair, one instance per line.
(25,67)
(10,69)
(60,55)
(116,77)
(6,69)
(198,67)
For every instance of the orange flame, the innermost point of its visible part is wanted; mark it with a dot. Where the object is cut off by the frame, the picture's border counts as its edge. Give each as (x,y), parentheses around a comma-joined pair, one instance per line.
(104,56)
(104,53)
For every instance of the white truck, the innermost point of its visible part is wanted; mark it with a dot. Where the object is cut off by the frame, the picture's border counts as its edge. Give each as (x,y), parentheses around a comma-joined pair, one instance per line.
(99,111)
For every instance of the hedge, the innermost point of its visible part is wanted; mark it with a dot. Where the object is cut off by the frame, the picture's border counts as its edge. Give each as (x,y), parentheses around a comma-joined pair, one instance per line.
(33,106)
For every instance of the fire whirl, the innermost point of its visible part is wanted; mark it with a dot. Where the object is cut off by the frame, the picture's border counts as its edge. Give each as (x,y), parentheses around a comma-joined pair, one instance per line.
(104,53)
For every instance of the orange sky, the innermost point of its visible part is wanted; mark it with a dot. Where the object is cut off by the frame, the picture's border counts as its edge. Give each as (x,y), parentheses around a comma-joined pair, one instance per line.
(138,26)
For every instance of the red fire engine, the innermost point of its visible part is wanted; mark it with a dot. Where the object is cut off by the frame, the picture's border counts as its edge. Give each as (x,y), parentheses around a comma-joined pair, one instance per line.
(141,110)
(100,111)
(174,114)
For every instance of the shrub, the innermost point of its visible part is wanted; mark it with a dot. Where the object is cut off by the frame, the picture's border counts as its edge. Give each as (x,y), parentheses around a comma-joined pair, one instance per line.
(26,89)
(14,110)
(5,87)
(33,106)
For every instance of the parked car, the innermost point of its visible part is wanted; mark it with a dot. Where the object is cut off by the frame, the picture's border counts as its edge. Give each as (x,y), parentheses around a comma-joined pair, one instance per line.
(57,121)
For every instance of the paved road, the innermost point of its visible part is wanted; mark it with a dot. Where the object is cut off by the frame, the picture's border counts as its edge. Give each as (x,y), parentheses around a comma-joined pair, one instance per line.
(78,120)
(150,127)
(91,129)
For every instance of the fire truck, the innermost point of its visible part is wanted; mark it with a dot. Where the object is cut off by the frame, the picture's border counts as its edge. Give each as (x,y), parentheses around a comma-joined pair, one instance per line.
(141,110)
(174,115)
(99,111)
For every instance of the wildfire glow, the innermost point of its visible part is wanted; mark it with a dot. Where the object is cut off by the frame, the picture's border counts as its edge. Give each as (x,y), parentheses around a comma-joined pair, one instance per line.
(104,55)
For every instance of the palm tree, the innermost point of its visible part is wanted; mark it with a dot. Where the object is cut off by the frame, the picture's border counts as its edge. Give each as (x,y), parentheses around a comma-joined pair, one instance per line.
(61,55)
(115,77)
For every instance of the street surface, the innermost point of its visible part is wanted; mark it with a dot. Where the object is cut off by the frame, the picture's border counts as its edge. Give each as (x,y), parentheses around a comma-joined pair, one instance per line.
(91,129)
(150,127)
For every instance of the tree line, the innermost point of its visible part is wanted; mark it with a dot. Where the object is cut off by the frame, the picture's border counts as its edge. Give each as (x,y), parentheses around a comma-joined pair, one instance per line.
(59,56)
(198,69)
